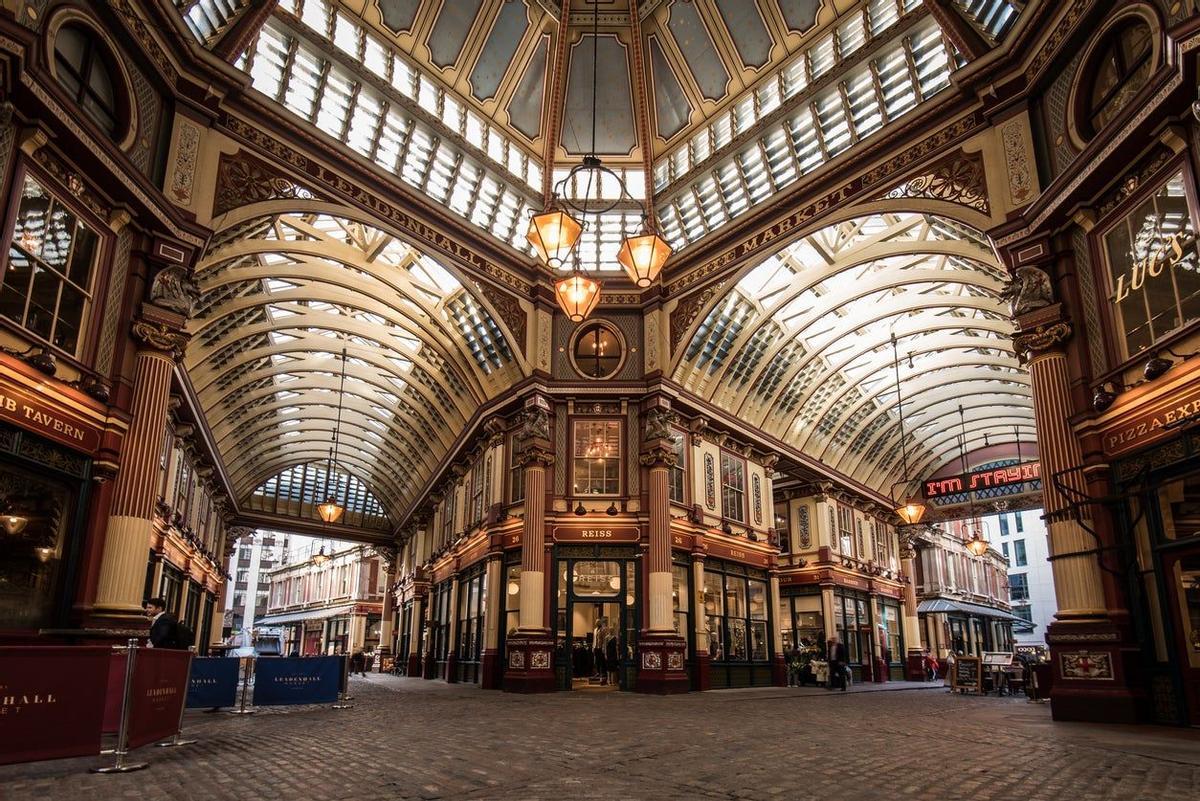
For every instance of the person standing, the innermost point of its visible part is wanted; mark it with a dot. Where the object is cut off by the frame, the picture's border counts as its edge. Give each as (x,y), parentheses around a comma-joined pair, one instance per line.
(164,627)
(951,658)
(358,664)
(838,659)
(795,665)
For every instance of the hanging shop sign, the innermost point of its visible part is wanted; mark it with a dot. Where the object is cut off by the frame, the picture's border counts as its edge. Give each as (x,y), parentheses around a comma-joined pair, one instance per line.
(978,480)
(1134,425)
(32,413)
(743,555)
(596,533)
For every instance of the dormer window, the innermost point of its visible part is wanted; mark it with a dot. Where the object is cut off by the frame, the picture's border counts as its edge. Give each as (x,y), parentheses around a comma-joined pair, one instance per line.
(83,67)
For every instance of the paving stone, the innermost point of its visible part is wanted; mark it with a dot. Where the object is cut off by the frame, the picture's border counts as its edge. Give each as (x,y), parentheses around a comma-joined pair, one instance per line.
(413,739)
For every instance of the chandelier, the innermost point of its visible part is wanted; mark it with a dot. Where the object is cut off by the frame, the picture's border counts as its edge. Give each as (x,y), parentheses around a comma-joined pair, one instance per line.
(556,231)
(911,509)
(331,511)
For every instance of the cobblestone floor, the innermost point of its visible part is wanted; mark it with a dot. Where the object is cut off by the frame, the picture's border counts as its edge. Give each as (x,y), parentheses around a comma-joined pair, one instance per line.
(412,739)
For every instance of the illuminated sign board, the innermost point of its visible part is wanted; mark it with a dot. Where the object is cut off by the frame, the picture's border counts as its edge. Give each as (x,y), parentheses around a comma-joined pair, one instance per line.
(978,480)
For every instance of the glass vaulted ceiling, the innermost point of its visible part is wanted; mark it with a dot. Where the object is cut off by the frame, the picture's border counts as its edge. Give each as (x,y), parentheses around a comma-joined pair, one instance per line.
(801,347)
(878,62)
(282,296)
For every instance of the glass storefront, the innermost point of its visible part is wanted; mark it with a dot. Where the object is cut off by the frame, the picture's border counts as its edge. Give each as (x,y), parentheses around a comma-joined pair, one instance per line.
(737,618)
(596,617)
(439,626)
(852,622)
(472,610)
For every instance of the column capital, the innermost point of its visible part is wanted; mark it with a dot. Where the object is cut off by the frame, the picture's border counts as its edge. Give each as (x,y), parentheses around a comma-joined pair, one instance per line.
(534,456)
(159,336)
(658,454)
(1042,337)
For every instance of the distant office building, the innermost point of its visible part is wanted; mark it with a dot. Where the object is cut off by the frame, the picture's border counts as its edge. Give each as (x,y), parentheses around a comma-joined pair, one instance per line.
(253,557)
(1021,538)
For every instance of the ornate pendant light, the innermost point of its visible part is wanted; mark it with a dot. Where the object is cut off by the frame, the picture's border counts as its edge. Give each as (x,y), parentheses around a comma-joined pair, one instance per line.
(912,508)
(643,256)
(331,511)
(555,233)
(320,557)
(976,543)
(577,296)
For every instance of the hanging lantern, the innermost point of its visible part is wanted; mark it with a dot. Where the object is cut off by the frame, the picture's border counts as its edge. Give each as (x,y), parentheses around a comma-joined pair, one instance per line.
(911,511)
(320,557)
(643,257)
(977,545)
(331,511)
(577,296)
(553,234)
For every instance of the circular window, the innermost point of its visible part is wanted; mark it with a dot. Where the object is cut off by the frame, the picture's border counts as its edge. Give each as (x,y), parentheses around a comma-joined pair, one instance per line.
(598,351)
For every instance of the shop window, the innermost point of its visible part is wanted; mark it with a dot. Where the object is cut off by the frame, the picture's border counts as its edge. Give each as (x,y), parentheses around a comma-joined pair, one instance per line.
(680,592)
(889,613)
(84,67)
(472,606)
(512,599)
(1153,269)
(1179,502)
(736,615)
(597,457)
(37,515)
(1119,69)
(678,475)
(853,625)
(733,487)
(51,262)
(802,623)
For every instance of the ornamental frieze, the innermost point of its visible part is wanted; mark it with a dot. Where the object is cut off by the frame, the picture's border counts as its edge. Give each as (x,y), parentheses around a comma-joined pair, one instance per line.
(243,180)
(959,178)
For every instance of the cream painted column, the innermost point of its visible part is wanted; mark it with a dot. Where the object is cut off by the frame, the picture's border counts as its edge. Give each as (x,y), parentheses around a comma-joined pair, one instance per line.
(912,620)
(777,629)
(1078,584)
(827,611)
(389,609)
(659,457)
(127,540)
(494,598)
(535,460)
(700,621)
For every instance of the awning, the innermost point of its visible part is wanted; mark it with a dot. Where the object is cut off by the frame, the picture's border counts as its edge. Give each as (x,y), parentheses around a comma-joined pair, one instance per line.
(309,614)
(947,605)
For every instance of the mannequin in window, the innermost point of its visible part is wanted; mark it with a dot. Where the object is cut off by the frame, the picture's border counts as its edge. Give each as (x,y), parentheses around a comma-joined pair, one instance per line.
(599,637)
(611,657)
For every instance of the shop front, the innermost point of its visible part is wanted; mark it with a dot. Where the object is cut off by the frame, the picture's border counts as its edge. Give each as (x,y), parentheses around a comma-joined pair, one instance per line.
(737,617)
(50,439)
(1158,488)
(596,615)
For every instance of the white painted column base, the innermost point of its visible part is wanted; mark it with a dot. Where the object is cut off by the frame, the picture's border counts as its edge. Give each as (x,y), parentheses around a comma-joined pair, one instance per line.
(661,617)
(533,596)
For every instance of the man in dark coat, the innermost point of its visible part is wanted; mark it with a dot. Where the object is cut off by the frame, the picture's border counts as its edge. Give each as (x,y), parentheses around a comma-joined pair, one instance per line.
(838,657)
(163,624)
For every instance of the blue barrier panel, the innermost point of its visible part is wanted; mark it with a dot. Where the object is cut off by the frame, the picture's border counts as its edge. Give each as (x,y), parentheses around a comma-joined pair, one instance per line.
(297,680)
(214,682)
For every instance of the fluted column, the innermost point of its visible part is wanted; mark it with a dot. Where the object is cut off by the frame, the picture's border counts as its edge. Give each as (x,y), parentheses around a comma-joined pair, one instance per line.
(915,650)
(1078,584)
(529,657)
(659,458)
(535,461)
(123,568)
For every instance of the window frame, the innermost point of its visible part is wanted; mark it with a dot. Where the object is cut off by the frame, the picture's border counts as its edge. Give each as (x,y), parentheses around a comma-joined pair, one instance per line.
(573,422)
(680,468)
(745,472)
(90,322)
(1114,342)
(125,110)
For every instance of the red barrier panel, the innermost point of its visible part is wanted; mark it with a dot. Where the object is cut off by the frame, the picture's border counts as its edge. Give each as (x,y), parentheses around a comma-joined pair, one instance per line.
(51,701)
(115,694)
(159,690)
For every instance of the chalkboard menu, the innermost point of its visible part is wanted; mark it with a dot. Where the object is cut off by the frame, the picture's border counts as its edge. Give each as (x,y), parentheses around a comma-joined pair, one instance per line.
(967,674)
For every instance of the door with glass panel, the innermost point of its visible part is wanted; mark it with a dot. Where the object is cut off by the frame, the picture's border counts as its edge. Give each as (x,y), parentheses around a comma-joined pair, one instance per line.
(1183,581)
(596,623)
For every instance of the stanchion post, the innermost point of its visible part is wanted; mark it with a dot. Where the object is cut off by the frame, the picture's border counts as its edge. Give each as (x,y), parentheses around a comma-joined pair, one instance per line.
(178,740)
(343,695)
(242,710)
(123,730)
